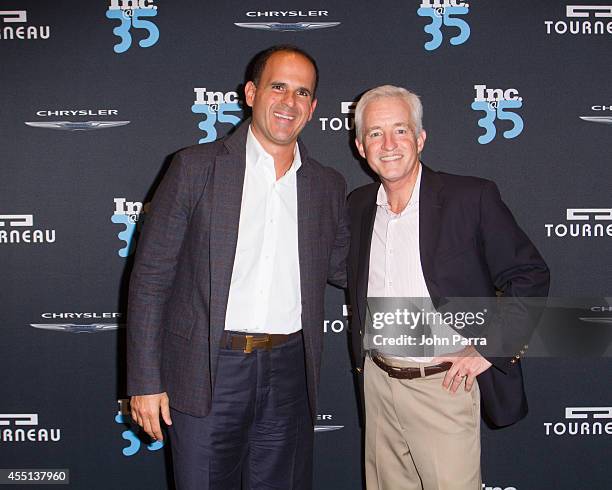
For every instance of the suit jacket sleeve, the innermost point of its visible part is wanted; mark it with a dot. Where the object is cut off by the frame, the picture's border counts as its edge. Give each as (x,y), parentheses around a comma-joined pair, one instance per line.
(338,261)
(518,271)
(153,276)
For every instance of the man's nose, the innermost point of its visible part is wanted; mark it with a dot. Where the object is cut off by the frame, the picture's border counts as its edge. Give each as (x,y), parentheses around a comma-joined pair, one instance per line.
(389,141)
(289,98)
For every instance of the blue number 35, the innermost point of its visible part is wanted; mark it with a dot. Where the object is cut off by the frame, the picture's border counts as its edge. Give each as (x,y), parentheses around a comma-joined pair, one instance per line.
(123,29)
(433,28)
(488,120)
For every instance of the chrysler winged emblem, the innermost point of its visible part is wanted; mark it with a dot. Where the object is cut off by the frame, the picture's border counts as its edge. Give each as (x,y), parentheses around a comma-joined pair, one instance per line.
(594,319)
(327,428)
(74,328)
(286,26)
(597,119)
(76,126)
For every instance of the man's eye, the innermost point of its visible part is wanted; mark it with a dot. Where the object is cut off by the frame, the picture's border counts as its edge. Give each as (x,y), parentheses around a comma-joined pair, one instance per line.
(303,93)
(401,131)
(374,134)
(277,87)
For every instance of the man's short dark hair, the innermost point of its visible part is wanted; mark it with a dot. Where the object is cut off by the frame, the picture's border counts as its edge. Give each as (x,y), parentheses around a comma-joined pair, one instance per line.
(259,63)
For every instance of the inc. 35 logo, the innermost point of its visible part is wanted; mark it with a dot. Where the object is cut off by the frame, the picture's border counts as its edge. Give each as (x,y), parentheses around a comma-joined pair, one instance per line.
(497,104)
(133,14)
(444,12)
(216,107)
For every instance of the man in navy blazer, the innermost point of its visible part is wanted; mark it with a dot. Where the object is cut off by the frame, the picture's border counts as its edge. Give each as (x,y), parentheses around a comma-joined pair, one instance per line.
(425,234)
(226,297)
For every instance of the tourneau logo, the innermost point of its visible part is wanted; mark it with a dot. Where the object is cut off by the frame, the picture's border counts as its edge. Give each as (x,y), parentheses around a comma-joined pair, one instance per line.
(582,20)
(124,418)
(130,215)
(130,13)
(12,230)
(582,222)
(217,107)
(13,25)
(497,104)
(583,421)
(280,24)
(73,327)
(337,326)
(346,122)
(444,12)
(23,427)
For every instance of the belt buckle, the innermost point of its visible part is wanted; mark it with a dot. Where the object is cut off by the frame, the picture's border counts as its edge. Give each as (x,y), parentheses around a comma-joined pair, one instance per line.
(248,348)
(267,340)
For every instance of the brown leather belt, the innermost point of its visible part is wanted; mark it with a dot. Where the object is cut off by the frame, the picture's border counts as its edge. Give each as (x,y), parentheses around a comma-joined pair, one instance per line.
(410,372)
(247,342)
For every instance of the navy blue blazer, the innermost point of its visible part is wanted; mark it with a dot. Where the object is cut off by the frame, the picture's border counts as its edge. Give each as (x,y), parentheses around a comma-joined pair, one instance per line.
(470,246)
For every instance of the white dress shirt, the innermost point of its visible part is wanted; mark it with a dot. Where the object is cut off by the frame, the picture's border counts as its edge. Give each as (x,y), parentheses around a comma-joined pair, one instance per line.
(395,260)
(265,294)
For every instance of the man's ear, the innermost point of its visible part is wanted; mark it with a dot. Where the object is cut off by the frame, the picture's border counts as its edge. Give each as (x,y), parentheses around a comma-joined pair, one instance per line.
(360,147)
(421,141)
(312,108)
(249,93)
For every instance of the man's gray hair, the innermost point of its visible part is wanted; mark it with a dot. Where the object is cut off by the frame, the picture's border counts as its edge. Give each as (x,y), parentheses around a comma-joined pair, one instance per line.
(412,99)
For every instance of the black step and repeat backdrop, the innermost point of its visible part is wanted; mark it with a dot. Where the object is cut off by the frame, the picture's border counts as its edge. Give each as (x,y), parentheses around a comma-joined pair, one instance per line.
(95,96)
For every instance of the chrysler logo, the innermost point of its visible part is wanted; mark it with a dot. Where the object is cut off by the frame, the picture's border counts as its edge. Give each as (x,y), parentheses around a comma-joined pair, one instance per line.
(597,119)
(286,26)
(76,126)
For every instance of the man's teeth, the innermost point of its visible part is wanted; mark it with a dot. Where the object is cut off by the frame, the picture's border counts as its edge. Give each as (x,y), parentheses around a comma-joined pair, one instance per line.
(282,116)
(390,158)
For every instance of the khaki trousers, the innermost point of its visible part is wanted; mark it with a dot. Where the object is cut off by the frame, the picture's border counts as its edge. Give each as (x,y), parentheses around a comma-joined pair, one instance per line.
(420,436)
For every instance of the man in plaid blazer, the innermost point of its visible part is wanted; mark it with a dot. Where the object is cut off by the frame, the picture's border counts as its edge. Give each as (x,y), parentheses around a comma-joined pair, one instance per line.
(226,297)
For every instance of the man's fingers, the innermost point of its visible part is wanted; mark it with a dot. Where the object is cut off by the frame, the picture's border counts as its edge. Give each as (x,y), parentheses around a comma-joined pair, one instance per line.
(147,427)
(156,432)
(449,376)
(146,411)
(469,382)
(165,411)
(456,383)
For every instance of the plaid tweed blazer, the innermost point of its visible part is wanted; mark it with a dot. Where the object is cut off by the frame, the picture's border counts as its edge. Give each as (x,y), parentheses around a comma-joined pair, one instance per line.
(180,282)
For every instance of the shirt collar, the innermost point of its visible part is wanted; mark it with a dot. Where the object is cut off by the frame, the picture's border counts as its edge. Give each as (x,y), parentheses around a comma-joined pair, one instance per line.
(256,155)
(381,197)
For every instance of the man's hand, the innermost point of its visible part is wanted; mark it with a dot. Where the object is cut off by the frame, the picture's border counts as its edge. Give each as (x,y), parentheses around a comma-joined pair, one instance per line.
(145,412)
(467,363)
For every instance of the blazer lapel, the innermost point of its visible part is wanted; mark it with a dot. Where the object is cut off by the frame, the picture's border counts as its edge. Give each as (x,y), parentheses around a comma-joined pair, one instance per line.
(365,244)
(430,209)
(228,182)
